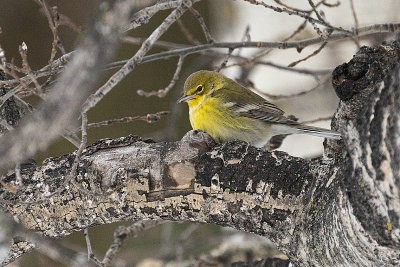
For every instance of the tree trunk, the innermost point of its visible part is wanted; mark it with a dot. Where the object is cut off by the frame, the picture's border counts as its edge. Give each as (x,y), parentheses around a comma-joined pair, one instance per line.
(341,209)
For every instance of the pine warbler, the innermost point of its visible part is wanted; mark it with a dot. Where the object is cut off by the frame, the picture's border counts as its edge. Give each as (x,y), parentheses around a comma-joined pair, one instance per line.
(229,111)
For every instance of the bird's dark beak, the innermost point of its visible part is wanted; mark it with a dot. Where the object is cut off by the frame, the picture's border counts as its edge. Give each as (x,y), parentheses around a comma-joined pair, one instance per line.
(185,98)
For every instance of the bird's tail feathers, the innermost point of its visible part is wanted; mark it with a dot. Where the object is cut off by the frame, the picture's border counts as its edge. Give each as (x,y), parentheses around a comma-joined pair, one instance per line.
(320,132)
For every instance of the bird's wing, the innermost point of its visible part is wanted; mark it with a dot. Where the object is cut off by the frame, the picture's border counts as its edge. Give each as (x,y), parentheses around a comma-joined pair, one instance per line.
(265,111)
(246,103)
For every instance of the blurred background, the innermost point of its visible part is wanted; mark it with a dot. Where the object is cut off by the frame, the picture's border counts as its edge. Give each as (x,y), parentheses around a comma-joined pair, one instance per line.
(22,21)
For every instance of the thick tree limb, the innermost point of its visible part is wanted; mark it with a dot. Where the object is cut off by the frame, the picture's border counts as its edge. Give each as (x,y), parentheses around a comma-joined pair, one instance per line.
(342,209)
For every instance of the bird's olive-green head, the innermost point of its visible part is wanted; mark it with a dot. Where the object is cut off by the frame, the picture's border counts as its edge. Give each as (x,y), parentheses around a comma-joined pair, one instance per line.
(200,84)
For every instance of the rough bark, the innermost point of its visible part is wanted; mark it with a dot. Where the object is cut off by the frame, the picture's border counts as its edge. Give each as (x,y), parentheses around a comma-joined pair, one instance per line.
(341,209)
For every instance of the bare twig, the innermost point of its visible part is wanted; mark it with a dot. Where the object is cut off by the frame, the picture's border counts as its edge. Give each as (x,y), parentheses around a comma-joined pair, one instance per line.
(300,14)
(187,33)
(53,24)
(246,35)
(23,50)
(150,118)
(317,30)
(273,96)
(63,20)
(309,56)
(267,51)
(63,103)
(121,233)
(246,38)
(163,92)
(23,86)
(225,61)
(74,167)
(330,5)
(144,15)
(353,11)
(24,241)
(290,7)
(314,73)
(91,256)
(327,118)
(299,45)
(138,57)
(297,31)
(203,25)
(243,61)
(315,10)
(159,43)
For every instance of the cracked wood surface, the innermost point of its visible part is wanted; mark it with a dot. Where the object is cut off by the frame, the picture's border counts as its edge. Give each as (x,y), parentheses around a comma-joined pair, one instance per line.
(339,210)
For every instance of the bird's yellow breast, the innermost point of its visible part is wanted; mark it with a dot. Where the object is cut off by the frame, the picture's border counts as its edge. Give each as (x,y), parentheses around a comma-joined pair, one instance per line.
(209,115)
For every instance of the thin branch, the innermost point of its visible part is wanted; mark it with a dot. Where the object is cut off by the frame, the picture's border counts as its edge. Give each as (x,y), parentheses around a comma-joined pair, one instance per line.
(304,92)
(186,32)
(267,51)
(299,45)
(53,24)
(138,57)
(327,118)
(243,62)
(203,25)
(163,92)
(64,20)
(144,15)
(246,37)
(149,118)
(330,5)
(73,171)
(300,14)
(309,56)
(353,11)
(290,7)
(91,256)
(285,68)
(316,11)
(159,43)
(23,50)
(297,31)
(64,103)
(122,232)
(225,61)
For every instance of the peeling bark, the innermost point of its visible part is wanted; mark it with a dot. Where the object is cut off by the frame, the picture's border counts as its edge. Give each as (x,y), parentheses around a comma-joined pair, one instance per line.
(342,209)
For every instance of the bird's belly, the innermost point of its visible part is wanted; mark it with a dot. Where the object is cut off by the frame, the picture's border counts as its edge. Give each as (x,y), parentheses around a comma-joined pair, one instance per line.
(223,127)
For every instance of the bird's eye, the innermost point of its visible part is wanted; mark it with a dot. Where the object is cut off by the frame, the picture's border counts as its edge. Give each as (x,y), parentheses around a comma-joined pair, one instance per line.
(199,89)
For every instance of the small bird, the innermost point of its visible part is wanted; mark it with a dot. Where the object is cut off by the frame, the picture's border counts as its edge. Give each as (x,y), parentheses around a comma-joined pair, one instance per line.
(229,111)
